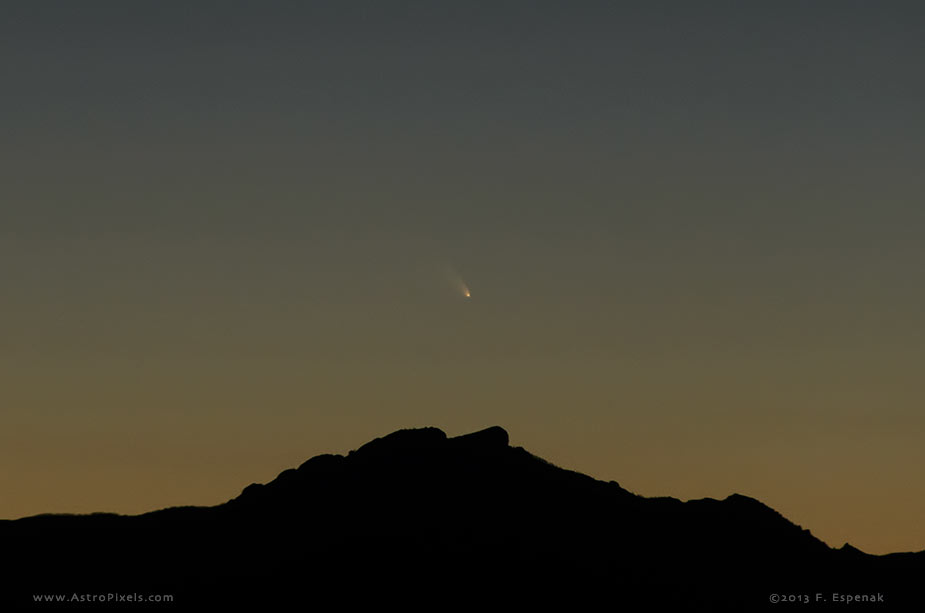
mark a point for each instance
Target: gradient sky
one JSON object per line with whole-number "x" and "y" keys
{"x": 231, "y": 235}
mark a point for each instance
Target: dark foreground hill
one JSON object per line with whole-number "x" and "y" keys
{"x": 422, "y": 521}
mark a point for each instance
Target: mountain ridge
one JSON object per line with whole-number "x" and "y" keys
{"x": 467, "y": 515}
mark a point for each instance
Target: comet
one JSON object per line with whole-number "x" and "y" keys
{"x": 457, "y": 282}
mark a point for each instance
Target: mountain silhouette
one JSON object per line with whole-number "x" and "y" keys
{"x": 422, "y": 521}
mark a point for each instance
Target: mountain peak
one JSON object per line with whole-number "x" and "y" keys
{"x": 417, "y": 441}
{"x": 402, "y": 442}
{"x": 493, "y": 437}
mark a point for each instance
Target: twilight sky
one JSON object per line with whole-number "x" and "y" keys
{"x": 231, "y": 236}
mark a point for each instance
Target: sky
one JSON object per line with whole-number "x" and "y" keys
{"x": 235, "y": 235}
